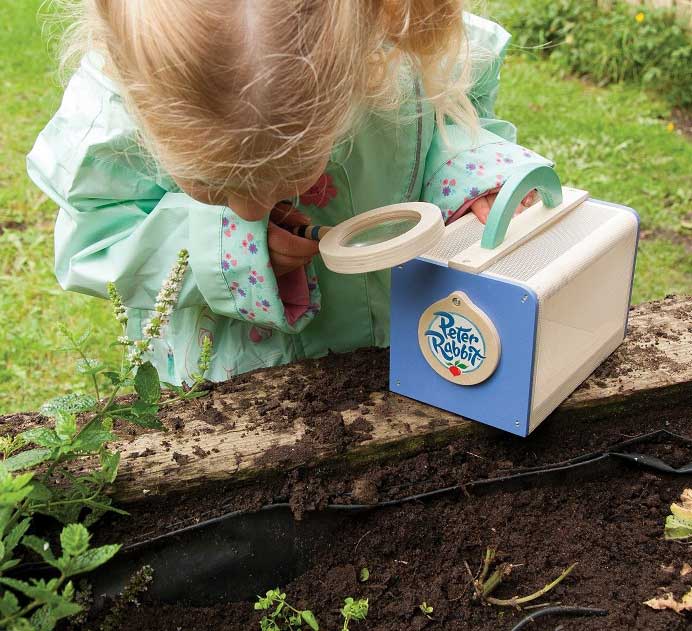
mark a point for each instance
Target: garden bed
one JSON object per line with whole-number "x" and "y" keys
{"x": 303, "y": 475}
{"x": 609, "y": 522}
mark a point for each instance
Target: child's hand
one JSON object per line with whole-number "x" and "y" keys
{"x": 481, "y": 207}
{"x": 287, "y": 251}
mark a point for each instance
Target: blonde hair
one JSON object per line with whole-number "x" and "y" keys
{"x": 237, "y": 95}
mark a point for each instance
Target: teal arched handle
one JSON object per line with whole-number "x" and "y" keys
{"x": 525, "y": 179}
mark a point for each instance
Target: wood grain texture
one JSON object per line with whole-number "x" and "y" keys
{"x": 231, "y": 435}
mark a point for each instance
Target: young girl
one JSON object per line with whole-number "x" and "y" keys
{"x": 188, "y": 122}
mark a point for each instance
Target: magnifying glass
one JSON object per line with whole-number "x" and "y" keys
{"x": 378, "y": 239}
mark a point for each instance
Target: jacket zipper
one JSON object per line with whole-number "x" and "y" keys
{"x": 419, "y": 141}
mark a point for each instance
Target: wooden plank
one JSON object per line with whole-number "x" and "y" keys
{"x": 231, "y": 434}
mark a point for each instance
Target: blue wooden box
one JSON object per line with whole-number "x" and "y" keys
{"x": 557, "y": 304}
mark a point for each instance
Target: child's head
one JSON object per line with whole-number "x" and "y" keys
{"x": 247, "y": 97}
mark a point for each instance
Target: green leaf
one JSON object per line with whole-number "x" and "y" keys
{"x": 9, "y": 604}
{"x": 43, "y": 437}
{"x": 27, "y": 459}
{"x": 40, "y": 547}
{"x": 65, "y": 425}
{"x": 92, "y": 437}
{"x": 74, "y": 539}
{"x": 64, "y": 513}
{"x": 113, "y": 377}
{"x": 13, "y": 489}
{"x": 14, "y": 536}
{"x": 39, "y": 590}
{"x": 109, "y": 465}
{"x": 40, "y": 493}
{"x": 71, "y": 403}
{"x": 90, "y": 560}
{"x": 174, "y": 388}
{"x": 8, "y": 565}
{"x": 310, "y": 620}
{"x": 22, "y": 624}
{"x": 89, "y": 366}
{"x": 149, "y": 421}
{"x": 364, "y": 575}
{"x": 147, "y": 384}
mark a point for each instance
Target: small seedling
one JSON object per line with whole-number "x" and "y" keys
{"x": 679, "y": 522}
{"x": 284, "y": 617}
{"x": 426, "y": 609}
{"x": 486, "y": 582}
{"x": 364, "y": 575}
{"x": 353, "y": 610}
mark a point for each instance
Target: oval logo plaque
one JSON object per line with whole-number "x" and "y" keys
{"x": 458, "y": 340}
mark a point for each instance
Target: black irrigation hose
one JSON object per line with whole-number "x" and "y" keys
{"x": 562, "y": 611}
{"x": 587, "y": 460}
{"x": 573, "y": 464}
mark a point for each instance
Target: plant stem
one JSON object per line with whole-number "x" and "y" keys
{"x": 515, "y": 601}
{"x": 495, "y": 579}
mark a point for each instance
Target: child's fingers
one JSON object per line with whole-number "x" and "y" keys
{"x": 283, "y": 242}
{"x": 282, "y": 264}
{"x": 481, "y": 208}
{"x": 530, "y": 199}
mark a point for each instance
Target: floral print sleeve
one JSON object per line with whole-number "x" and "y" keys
{"x": 286, "y": 303}
{"x": 463, "y": 169}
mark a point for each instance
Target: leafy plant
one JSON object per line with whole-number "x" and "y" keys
{"x": 353, "y": 610}
{"x": 283, "y": 616}
{"x": 426, "y": 609}
{"x": 36, "y": 475}
{"x": 610, "y": 42}
{"x": 364, "y": 575}
{"x": 52, "y": 600}
{"x": 679, "y": 522}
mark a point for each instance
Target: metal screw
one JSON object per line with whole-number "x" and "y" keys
{"x": 516, "y": 423}
{"x": 524, "y": 298}
{"x": 456, "y": 302}
{"x": 401, "y": 267}
{"x": 398, "y": 383}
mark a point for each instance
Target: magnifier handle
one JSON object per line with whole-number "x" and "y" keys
{"x": 315, "y": 233}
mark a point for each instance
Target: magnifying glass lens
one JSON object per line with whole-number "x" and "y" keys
{"x": 381, "y": 232}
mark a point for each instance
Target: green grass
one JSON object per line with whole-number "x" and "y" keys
{"x": 612, "y": 142}
{"x": 31, "y": 301}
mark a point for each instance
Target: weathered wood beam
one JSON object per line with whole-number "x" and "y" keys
{"x": 242, "y": 431}
{"x": 305, "y": 414}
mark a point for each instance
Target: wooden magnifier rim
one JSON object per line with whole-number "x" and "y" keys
{"x": 338, "y": 257}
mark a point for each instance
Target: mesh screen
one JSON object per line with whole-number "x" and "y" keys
{"x": 536, "y": 254}
{"x": 456, "y": 241}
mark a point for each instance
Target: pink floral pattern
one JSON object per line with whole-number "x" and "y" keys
{"x": 246, "y": 268}
{"x": 320, "y": 193}
{"x": 474, "y": 173}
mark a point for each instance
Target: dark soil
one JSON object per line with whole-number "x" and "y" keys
{"x": 418, "y": 552}
{"x": 611, "y": 526}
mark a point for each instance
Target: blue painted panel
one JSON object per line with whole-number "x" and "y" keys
{"x": 504, "y": 400}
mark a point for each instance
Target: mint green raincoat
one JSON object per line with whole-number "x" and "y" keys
{"x": 121, "y": 220}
